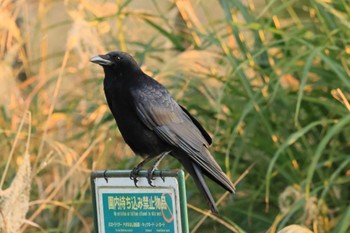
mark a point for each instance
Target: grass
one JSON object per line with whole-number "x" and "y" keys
{"x": 269, "y": 80}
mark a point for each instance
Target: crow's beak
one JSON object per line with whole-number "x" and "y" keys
{"x": 102, "y": 60}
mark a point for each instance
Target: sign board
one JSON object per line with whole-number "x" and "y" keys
{"x": 120, "y": 206}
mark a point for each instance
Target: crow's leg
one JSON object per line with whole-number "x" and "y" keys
{"x": 135, "y": 170}
{"x": 154, "y": 167}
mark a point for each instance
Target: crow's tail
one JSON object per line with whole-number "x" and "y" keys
{"x": 197, "y": 175}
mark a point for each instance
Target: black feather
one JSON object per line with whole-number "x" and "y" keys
{"x": 151, "y": 122}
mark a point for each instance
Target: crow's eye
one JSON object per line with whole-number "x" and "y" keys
{"x": 117, "y": 58}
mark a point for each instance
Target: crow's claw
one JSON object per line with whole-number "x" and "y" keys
{"x": 161, "y": 176}
{"x": 105, "y": 175}
{"x": 135, "y": 182}
{"x": 133, "y": 175}
{"x": 150, "y": 176}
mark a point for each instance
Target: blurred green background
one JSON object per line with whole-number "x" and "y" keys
{"x": 268, "y": 79}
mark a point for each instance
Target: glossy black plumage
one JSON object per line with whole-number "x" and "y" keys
{"x": 152, "y": 123}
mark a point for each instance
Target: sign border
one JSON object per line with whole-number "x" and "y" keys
{"x": 179, "y": 174}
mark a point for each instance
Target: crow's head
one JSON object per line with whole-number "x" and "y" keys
{"x": 116, "y": 61}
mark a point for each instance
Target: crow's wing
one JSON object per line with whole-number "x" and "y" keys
{"x": 198, "y": 125}
{"x": 159, "y": 112}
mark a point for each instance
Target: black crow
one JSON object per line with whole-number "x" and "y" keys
{"x": 153, "y": 124}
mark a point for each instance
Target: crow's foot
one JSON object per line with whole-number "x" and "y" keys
{"x": 135, "y": 171}
{"x": 134, "y": 174}
{"x": 150, "y": 175}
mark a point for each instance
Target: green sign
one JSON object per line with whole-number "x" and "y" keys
{"x": 121, "y": 207}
